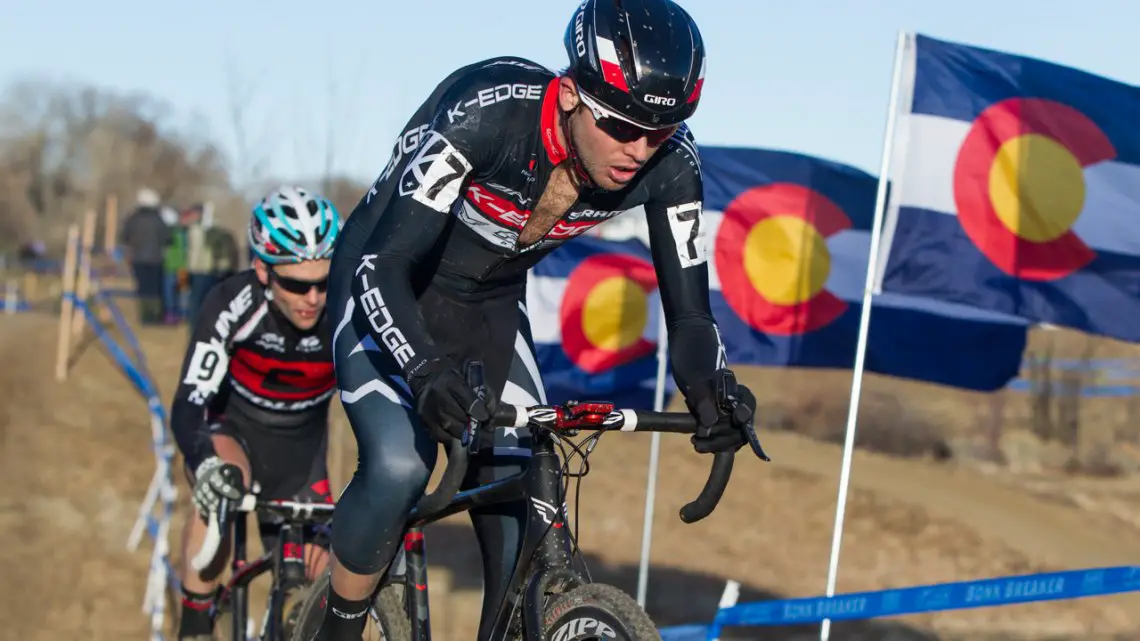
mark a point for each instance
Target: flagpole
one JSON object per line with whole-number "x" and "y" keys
{"x": 654, "y": 452}
{"x": 864, "y": 326}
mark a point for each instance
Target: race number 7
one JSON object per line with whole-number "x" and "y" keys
{"x": 457, "y": 171}
{"x": 688, "y": 232}
{"x": 438, "y": 185}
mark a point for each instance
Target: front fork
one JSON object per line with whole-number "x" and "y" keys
{"x": 410, "y": 567}
{"x": 239, "y": 596}
{"x": 288, "y": 571}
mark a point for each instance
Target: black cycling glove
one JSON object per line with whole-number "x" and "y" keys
{"x": 445, "y": 401}
{"x": 724, "y": 409}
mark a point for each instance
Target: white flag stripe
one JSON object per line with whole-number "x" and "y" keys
{"x": 1112, "y": 189}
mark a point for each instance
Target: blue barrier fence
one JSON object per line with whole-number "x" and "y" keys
{"x": 937, "y": 597}
{"x": 156, "y": 511}
{"x": 157, "y": 508}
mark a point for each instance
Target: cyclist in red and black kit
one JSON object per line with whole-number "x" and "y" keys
{"x": 502, "y": 163}
{"x": 253, "y": 400}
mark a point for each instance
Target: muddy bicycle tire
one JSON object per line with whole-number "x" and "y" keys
{"x": 581, "y": 613}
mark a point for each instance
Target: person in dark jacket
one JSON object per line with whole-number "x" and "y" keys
{"x": 144, "y": 238}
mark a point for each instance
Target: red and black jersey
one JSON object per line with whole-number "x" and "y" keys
{"x": 248, "y": 362}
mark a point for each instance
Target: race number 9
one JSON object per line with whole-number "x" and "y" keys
{"x": 689, "y": 233}
{"x": 207, "y": 368}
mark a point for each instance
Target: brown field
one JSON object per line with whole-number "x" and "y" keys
{"x": 75, "y": 461}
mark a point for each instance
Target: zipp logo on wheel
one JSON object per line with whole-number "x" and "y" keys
{"x": 584, "y": 628}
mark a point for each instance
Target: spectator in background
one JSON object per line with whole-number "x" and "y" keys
{"x": 144, "y": 237}
{"x": 224, "y": 247}
{"x": 199, "y": 261}
{"x": 211, "y": 256}
{"x": 32, "y": 254}
{"x": 174, "y": 277}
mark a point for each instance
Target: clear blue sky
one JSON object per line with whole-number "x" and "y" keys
{"x": 806, "y": 75}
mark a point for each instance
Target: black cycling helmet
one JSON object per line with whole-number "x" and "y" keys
{"x": 643, "y": 60}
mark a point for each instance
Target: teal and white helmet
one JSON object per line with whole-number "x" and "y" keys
{"x": 292, "y": 224}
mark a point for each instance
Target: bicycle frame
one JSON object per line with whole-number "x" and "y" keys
{"x": 287, "y": 551}
{"x": 545, "y": 556}
{"x": 545, "y": 537}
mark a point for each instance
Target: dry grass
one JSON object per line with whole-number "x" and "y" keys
{"x": 76, "y": 461}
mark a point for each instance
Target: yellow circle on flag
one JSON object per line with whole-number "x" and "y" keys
{"x": 615, "y": 313}
{"x": 1037, "y": 187}
{"x": 786, "y": 259}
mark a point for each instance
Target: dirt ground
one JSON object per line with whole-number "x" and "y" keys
{"x": 75, "y": 461}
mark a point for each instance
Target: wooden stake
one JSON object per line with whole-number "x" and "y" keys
{"x": 63, "y": 345}
{"x": 83, "y": 286}
{"x": 110, "y": 225}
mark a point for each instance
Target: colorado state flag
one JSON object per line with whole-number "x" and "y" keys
{"x": 1016, "y": 188}
{"x": 594, "y": 312}
{"x": 791, "y": 238}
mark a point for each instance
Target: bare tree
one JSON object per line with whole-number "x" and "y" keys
{"x": 251, "y": 148}
{"x": 64, "y": 147}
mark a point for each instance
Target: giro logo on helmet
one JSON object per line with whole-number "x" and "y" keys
{"x": 659, "y": 100}
{"x": 579, "y": 36}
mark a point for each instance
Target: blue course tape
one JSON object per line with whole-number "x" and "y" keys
{"x": 117, "y": 352}
{"x": 685, "y": 633}
{"x": 124, "y": 329}
{"x": 1051, "y": 586}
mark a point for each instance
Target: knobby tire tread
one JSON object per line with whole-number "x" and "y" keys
{"x": 622, "y": 607}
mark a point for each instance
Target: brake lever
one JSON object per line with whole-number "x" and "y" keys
{"x": 474, "y": 376}
{"x": 754, "y": 441}
{"x": 748, "y": 422}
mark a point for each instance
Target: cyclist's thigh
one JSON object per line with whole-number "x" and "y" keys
{"x": 317, "y": 490}
{"x": 316, "y": 487}
{"x": 395, "y": 453}
{"x": 229, "y": 447}
{"x": 282, "y": 464}
{"x": 523, "y": 387}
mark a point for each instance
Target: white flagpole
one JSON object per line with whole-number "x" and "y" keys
{"x": 654, "y": 452}
{"x": 864, "y": 326}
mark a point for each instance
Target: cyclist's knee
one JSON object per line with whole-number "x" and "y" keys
{"x": 193, "y": 534}
{"x": 371, "y": 512}
{"x": 391, "y": 478}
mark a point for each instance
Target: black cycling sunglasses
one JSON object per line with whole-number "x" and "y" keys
{"x": 300, "y": 287}
{"x": 624, "y": 131}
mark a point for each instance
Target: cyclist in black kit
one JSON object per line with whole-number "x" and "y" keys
{"x": 502, "y": 163}
{"x": 253, "y": 399}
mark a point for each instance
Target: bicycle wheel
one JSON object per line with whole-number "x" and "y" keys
{"x": 599, "y": 612}
{"x": 388, "y": 617}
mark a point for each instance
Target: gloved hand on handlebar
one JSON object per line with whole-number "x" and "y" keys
{"x": 445, "y": 401}
{"x": 214, "y": 480}
{"x": 724, "y": 410}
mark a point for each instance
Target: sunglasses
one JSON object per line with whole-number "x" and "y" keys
{"x": 624, "y": 131}
{"x": 300, "y": 287}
